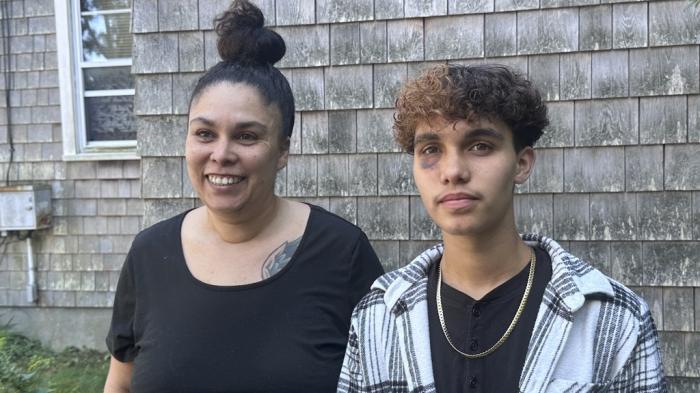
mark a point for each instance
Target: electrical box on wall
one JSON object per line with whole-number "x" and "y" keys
{"x": 25, "y": 208}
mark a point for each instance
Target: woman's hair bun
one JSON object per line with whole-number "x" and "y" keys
{"x": 243, "y": 38}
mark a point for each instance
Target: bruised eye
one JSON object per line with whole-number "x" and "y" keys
{"x": 429, "y": 149}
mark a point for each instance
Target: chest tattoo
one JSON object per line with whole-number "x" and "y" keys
{"x": 279, "y": 257}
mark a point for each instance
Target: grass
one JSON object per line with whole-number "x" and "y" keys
{"x": 27, "y": 366}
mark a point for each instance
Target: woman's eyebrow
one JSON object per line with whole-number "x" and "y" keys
{"x": 207, "y": 122}
{"x": 242, "y": 125}
{"x": 250, "y": 124}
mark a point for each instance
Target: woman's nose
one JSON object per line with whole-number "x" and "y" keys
{"x": 222, "y": 152}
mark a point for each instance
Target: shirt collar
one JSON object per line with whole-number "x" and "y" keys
{"x": 572, "y": 278}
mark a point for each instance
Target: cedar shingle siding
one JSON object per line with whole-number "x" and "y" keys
{"x": 617, "y": 178}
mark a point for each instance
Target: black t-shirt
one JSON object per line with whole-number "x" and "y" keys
{"x": 286, "y": 333}
{"x": 475, "y": 326}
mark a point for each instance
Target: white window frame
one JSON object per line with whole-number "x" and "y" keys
{"x": 70, "y": 66}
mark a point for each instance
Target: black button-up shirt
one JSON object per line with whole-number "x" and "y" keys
{"x": 476, "y": 325}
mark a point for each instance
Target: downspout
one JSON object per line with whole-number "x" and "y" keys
{"x": 31, "y": 276}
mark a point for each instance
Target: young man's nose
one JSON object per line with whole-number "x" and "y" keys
{"x": 454, "y": 169}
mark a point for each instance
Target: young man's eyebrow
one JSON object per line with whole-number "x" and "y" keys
{"x": 473, "y": 134}
{"x": 485, "y": 133}
{"x": 426, "y": 137}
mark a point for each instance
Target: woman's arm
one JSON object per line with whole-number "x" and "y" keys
{"x": 119, "y": 376}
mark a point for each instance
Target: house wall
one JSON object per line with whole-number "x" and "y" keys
{"x": 97, "y": 208}
{"x": 617, "y": 178}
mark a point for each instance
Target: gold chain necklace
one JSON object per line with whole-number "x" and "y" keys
{"x": 518, "y": 313}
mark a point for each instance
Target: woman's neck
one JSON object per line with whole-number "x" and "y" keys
{"x": 246, "y": 227}
{"x": 477, "y": 265}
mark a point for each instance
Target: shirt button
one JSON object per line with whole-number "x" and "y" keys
{"x": 474, "y": 345}
{"x": 473, "y": 383}
{"x": 476, "y": 312}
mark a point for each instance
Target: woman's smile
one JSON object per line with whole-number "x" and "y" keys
{"x": 224, "y": 180}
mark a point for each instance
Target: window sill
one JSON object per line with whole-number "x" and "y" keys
{"x": 103, "y": 156}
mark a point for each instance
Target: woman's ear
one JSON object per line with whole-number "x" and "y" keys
{"x": 524, "y": 165}
{"x": 284, "y": 153}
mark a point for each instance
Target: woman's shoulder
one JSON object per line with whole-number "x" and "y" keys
{"x": 323, "y": 220}
{"x": 162, "y": 231}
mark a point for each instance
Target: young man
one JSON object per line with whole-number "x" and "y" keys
{"x": 490, "y": 310}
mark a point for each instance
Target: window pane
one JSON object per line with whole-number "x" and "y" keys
{"x": 102, "y": 5}
{"x": 108, "y": 78}
{"x": 110, "y": 118}
{"x": 106, "y": 37}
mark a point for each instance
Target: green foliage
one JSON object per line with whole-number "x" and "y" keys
{"x": 15, "y": 376}
{"x": 27, "y": 367}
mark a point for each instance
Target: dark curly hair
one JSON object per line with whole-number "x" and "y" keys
{"x": 459, "y": 92}
{"x": 249, "y": 51}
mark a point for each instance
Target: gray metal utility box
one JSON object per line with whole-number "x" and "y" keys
{"x": 25, "y": 208}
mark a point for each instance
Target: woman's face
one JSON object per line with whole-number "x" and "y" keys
{"x": 234, "y": 148}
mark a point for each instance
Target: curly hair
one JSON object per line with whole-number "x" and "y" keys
{"x": 457, "y": 92}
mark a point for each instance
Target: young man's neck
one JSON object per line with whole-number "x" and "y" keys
{"x": 475, "y": 265}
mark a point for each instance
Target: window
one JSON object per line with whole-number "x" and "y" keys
{"x": 97, "y": 89}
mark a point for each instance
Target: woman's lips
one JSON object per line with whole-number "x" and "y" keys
{"x": 224, "y": 180}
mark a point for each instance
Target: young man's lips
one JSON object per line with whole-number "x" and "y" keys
{"x": 457, "y": 201}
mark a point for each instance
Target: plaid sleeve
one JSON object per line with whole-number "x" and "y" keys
{"x": 643, "y": 372}
{"x": 351, "y": 379}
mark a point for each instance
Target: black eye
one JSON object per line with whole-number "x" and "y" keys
{"x": 429, "y": 149}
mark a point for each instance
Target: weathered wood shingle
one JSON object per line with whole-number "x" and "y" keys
{"x": 644, "y": 168}
{"x": 454, "y": 37}
{"x": 547, "y": 31}
{"x": 664, "y": 71}
{"x": 405, "y": 40}
{"x": 606, "y": 176}
{"x": 314, "y": 132}
{"x": 388, "y": 79}
{"x": 607, "y": 122}
{"x": 306, "y": 45}
{"x": 663, "y": 120}
{"x": 673, "y": 23}
{"x": 348, "y": 87}
{"x": 343, "y": 10}
{"x": 630, "y": 27}
{"x": 664, "y": 215}
{"x": 500, "y": 34}
{"x": 300, "y": 12}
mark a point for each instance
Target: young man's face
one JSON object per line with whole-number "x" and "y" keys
{"x": 465, "y": 172}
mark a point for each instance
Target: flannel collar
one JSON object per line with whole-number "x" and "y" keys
{"x": 572, "y": 278}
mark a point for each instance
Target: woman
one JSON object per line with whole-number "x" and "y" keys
{"x": 249, "y": 292}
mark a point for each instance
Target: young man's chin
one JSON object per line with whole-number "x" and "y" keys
{"x": 461, "y": 229}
